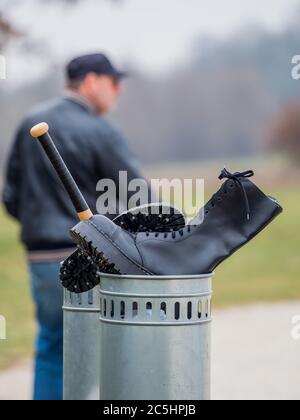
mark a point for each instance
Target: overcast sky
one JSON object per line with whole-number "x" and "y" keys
{"x": 155, "y": 34}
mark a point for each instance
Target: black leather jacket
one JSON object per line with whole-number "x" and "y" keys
{"x": 91, "y": 148}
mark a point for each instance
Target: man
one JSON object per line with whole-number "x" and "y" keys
{"x": 93, "y": 150}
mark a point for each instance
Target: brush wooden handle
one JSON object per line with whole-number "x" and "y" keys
{"x": 41, "y": 132}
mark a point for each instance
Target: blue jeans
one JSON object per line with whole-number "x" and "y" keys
{"x": 48, "y": 296}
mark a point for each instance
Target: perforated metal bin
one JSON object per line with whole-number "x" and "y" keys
{"x": 155, "y": 337}
{"x": 81, "y": 345}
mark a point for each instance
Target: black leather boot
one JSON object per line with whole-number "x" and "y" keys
{"x": 80, "y": 272}
{"x": 233, "y": 216}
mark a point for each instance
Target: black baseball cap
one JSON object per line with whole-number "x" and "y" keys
{"x": 92, "y": 63}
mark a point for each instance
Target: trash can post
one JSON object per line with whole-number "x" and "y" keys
{"x": 81, "y": 345}
{"x": 155, "y": 337}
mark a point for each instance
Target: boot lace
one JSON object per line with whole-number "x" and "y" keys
{"x": 174, "y": 234}
{"x": 237, "y": 177}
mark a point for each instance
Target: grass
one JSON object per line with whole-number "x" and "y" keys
{"x": 267, "y": 269}
{"x": 15, "y": 302}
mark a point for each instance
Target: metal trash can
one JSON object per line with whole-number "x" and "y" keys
{"x": 81, "y": 345}
{"x": 155, "y": 337}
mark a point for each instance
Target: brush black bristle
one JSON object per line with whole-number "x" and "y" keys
{"x": 151, "y": 223}
{"x": 80, "y": 272}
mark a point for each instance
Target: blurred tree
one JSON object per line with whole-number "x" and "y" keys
{"x": 285, "y": 133}
{"x": 6, "y": 31}
{"x": 221, "y": 104}
{"x": 7, "y": 28}
{"x": 268, "y": 52}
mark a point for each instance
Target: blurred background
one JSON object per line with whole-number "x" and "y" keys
{"x": 212, "y": 83}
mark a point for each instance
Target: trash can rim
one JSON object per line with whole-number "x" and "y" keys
{"x": 135, "y": 277}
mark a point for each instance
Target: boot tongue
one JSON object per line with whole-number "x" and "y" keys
{"x": 238, "y": 177}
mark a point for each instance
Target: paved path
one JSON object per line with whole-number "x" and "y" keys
{"x": 16, "y": 383}
{"x": 254, "y": 356}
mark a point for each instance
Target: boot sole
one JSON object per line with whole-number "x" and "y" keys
{"x": 80, "y": 272}
{"x": 105, "y": 250}
{"x": 137, "y": 221}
